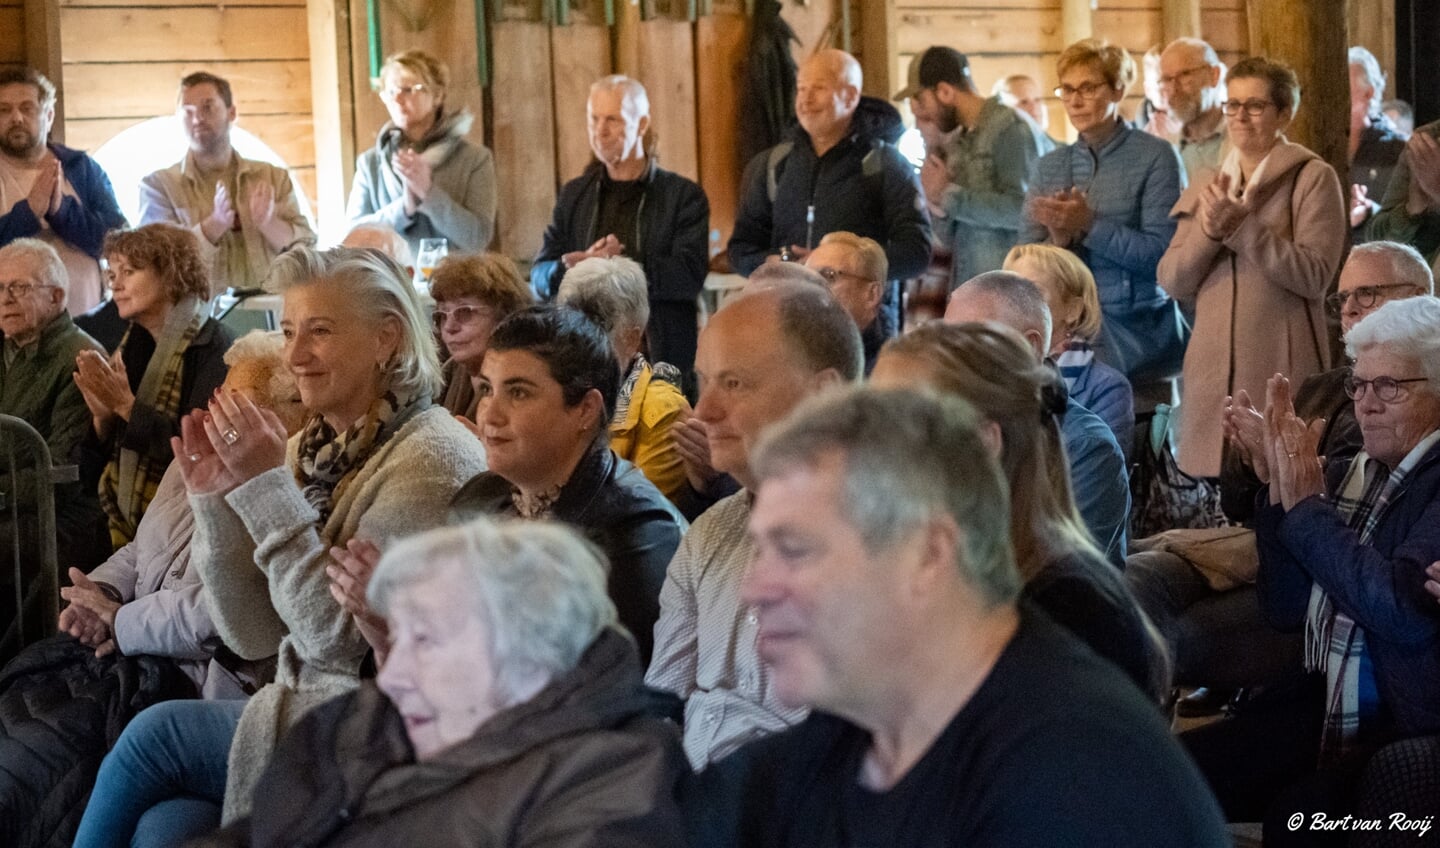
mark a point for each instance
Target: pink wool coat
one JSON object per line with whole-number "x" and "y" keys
{"x": 1259, "y": 294}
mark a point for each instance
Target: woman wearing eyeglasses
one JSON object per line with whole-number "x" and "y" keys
{"x": 1343, "y": 549}
{"x": 1107, "y": 198}
{"x": 1256, "y": 247}
{"x": 473, "y": 293}
{"x": 423, "y": 177}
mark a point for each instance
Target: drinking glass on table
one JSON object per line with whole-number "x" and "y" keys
{"x": 432, "y": 250}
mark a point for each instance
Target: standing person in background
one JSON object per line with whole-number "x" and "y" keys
{"x": 244, "y": 212}
{"x": 1193, "y": 81}
{"x": 423, "y": 177}
{"x": 1024, "y": 95}
{"x": 1375, "y": 146}
{"x": 625, "y": 204}
{"x": 1154, "y": 115}
{"x": 1107, "y": 198}
{"x": 48, "y": 191}
{"x": 976, "y": 188}
{"x": 839, "y": 170}
{"x": 1256, "y": 249}
{"x": 1401, "y": 115}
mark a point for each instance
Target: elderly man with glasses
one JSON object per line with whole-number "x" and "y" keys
{"x": 854, "y": 269}
{"x": 1192, "y": 77}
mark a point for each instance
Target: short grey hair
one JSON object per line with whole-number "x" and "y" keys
{"x": 908, "y": 456}
{"x": 1022, "y": 303}
{"x": 378, "y": 289}
{"x": 816, "y": 329}
{"x": 1200, "y": 45}
{"x": 381, "y": 237}
{"x": 42, "y": 257}
{"x": 611, "y": 292}
{"x": 1373, "y": 75}
{"x": 266, "y": 349}
{"x": 538, "y": 587}
{"x": 1408, "y": 328}
{"x": 631, "y": 89}
{"x": 1405, "y": 264}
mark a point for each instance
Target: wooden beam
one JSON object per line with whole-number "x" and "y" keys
{"x": 879, "y": 47}
{"x": 1075, "y": 21}
{"x": 1180, "y": 19}
{"x": 1372, "y": 26}
{"x": 626, "y": 38}
{"x": 332, "y": 99}
{"x": 42, "y": 52}
{"x": 1310, "y": 35}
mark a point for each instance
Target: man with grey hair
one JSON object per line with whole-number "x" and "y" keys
{"x": 758, "y": 357}
{"x": 886, "y": 596}
{"x": 1097, "y": 465}
{"x": 625, "y": 204}
{"x": 40, "y": 342}
{"x": 1193, "y": 80}
{"x": 47, "y": 190}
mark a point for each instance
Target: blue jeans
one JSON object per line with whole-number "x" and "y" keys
{"x": 164, "y": 781}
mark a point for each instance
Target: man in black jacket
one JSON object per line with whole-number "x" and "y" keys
{"x": 840, "y": 170}
{"x": 626, "y": 205}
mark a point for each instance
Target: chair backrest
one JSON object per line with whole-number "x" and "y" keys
{"x": 28, "y": 478}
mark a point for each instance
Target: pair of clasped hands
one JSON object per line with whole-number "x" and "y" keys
{"x": 1277, "y": 444}
{"x": 1066, "y": 215}
{"x": 223, "y": 216}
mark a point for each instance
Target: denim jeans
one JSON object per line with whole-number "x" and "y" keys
{"x": 164, "y": 781}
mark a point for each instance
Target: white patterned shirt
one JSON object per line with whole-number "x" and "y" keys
{"x": 705, "y": 639}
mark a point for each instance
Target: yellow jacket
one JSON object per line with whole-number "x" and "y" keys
{"x": 642, "y": 436}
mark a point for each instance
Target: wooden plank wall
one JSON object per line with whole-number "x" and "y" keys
{"x": 1003, "y": 37}
{"x": 123, "y": 60}
{"x": 12, "y": 32}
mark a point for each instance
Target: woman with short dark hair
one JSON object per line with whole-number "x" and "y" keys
{"x": 548, "y": 389}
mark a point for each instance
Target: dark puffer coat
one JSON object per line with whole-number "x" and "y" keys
{"x": 61, "y": 710}
{"x": 580, "y": 764}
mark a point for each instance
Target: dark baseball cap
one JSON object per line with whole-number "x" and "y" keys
{"x": 934, "y": 66}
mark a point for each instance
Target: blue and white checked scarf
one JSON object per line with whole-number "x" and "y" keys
{"x": 1334, "y": 643}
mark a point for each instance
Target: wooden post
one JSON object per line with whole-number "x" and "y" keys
{"x": 1075, "y": 21}
{"x": 1310, "y": 36}
{"x": 332, "y": 99}
{"x": 42, "y": 52}
{"x": 627, "y": 38}
{"x": 1372, "y": 26}
{"x": 879, "y": 48}
{"x": 1179, "y": 19}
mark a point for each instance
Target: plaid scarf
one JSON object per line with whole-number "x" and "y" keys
{"x": 1334, "y": 643}
{"x": 327, "y": 460}
{"x": 131, "y": 478}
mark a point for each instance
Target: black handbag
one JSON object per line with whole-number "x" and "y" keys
{"x": 1162, "y": 497}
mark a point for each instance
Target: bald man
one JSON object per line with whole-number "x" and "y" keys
{"x": 838, "y": 170}
{"x": 1194, "y": 84}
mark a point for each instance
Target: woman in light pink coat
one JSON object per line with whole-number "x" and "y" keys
{"x": 1257, "y": 246}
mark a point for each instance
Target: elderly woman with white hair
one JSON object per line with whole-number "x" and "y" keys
{"x": 613, "y": 293}
{"x": 376, "y": 460}
{"x": 509, "y": 711}
{"x": 1343, "y": 552}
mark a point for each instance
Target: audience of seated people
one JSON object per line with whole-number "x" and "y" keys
{"x": 612, "y": 293}
{"x": 860, "y": 630}
{"x": 1021, "y": 401}
{"x": 376, "y": 460}
{"x": 1343, "y": 548}
{"x": 1096, "y": 462}
{"x": 145, "y": 610}
{"x": 548, "y": 388}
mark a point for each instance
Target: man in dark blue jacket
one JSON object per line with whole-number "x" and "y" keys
{"x": 840, "y": 170}
{"x": 626, "y": 205}
{"x": 49, "y": 191}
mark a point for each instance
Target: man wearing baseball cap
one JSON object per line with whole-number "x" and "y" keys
{"x": 975, "y": 182}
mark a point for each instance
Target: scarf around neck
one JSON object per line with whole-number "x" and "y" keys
{"x": 327, "y": 460}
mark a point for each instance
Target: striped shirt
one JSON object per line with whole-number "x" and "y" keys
{"x": 705, "y": 639}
